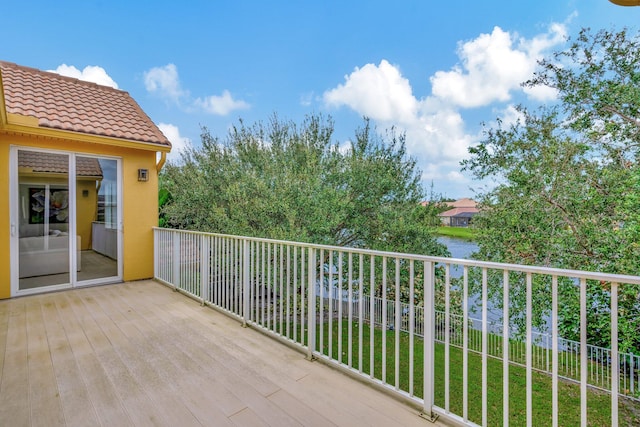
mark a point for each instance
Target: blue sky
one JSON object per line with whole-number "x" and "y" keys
{"x": 435, "y": 70}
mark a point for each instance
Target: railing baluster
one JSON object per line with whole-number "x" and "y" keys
{"x": 225, "y": 274}
{"x": 275, "y": 284}
{"x": 529, "y": 385}
{"x": 303, "y": 305}
{"x": 311, "y": 306}
{"x": 384, "y": 319}
{"x": 397, "y": 326}
{"x": 505, "y": 348}
{"x": 371, "y": 315}
{"x": 554, "y": 344}
{"x": 484, "y": 346}
{"x": 350, "y": 314}
{"x": 252, "y": 280}
{"x": 204, "y": 268}
{"x": 263, "y": 285}
{"x": 428, "y": 343}
{"x": 447, "y": 334}
{"x": 269, "y": 285}
{"x": 281, "y": 296}
{"x": 176, "y": 260}
{"x": 583, "y": 352}
{"x": 412, "y": 324}
{"x": 288, "y": 293}
{"x": 465, "y": 344}
{"x": 339, "y": 300}
{"x": 321, "y": 283}
{"x": 245, "y": 282}
{"x": 331, "y": 306}
{"x": 360, "y": 310}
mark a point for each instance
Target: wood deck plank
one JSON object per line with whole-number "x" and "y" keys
{"x": 141, "y": 354}
{"x": 168, "y": 340}
{"x": 255, "y": 363}
{"x": 135, "y": 404}
{"x": 74, "y": 397}
{"x": 104, "y": 397}
{"x": 44, "y": 397}
{"x": 4, "y": 328}
{"x": 150, "y": 366}
{"x": 14, "y": 388}
{"x": 258, "y": 354}
{"x": 210, "y": 356}
{"x": 144, "y": 396}
{"x": 247, "y": 418}
{"x": 303, "y": 413}
{"x": 203, "y": 395}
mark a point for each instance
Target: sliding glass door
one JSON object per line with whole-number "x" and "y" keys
{"x": 97, "y": 219}
{"x": 43, "y": 225}
{"x": 66, "y": 220}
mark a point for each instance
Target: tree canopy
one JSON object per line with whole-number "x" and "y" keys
{"x": 567, "y": 175}
{"x": 287, "y": 181}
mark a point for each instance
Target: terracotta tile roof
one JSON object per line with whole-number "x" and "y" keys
{"x": 458, "y": 211}
{"x": 463, "y": 203}
{"x": 73, "y": 105}
{"x": 57, "y": 163}
{"x": 460, "y": 203}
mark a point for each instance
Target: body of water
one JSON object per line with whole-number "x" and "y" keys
{"x": 459, "y": 248}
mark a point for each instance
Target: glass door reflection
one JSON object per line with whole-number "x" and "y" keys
{"x": 97, "y": 219}
{"x": 43, "y": 226}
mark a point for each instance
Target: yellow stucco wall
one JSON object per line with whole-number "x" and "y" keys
{"x": 140, "y": 203}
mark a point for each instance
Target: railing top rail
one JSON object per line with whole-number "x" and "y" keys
{"x": 548, "y": 271}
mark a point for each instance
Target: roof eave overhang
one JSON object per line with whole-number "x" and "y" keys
{"x": 24, "y": 126}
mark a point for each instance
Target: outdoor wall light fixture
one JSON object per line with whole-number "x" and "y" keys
{"x": 143, "y": 175}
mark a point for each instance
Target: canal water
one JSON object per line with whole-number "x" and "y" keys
{"x": 463, "y": 249}
{"x": 459, "y": 248}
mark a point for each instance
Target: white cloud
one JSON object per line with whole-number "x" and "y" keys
{"x": 164, "y": 81}
{"x": 379, "y": 92}
{"x": 306, "y": 99}
{"x": 383, "y": 94}
{"x": 509, "y": 116}
{"x": 178, "y": 142}
{"x": 493, "y": 66}
{"x": 90, "y": 73}
{"x": 221, "y": 105}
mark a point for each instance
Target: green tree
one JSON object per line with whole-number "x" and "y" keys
{"x": 567, "y": 179}
{"x": 286, "y": 181}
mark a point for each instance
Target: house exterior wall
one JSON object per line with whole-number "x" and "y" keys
{"x": 139, "y": 199}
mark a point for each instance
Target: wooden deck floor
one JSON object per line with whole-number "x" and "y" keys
{"x": 140, "y": 354}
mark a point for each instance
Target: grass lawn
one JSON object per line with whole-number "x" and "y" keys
{"x": 598, "y": 403}
{"x": 459, "y": 232}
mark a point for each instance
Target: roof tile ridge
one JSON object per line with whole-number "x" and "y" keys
{"x": 55, "y": 75}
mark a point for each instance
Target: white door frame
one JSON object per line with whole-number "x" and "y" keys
{"x": 14, "y": 218}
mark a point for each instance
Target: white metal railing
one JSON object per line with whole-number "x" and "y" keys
{"x": 600, "y": 361}
{"x": 309, "y": 296}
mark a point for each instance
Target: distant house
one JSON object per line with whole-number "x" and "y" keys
{"x": 461, "y": 213}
